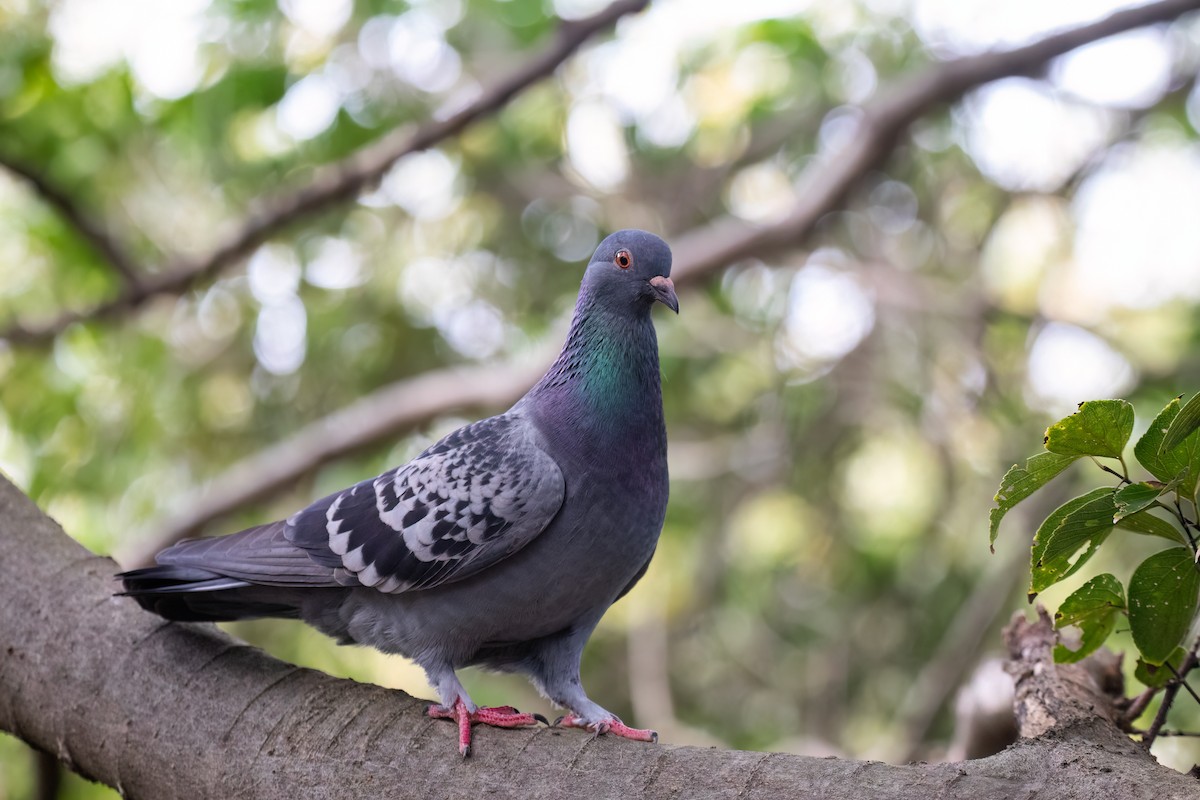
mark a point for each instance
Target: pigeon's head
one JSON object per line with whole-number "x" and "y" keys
{"x": 631, "y": 270}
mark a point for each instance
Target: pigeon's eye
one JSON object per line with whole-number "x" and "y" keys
{"x": 623, "y": 259}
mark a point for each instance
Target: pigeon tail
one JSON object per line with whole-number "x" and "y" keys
{"x": 191, "y": 594}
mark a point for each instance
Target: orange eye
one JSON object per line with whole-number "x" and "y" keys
{"x": 623, "y": 259}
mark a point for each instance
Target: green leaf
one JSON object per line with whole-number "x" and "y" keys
{"x": 1162, "y": 601}
{"x": 1184, "y": 425}
{"x": 1147, "y": 523}
{"x": 1181, "y": 462}
{"x": 1078, "y": 526}
{"x": 1136, "y": 497}
{"x": 1157, "y": 676}
{"x": 1098, "y": 428}
{"x": 1020, "y": 482}
{"x": 1093, "y": 608}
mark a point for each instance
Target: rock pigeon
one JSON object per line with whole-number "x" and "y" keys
{"x": 502, "y": 545}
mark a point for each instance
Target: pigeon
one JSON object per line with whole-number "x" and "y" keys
{"x": 502, "y": 545}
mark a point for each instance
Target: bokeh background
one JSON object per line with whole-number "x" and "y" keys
{"x": 840, "y": 411}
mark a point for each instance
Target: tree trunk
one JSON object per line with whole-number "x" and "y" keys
{"x": 161, "y": 710}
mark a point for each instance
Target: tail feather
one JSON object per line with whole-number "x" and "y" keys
{"x": 189, "y": 594}
{"x": 173, "y": 579}
{"x": 255, "y": 573}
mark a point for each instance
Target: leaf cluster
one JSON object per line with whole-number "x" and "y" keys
{"x": 1161, "y": 600}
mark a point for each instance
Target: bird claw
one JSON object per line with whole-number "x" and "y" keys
{"x": 498, "y": 717}
{"x": 612, "y": 726}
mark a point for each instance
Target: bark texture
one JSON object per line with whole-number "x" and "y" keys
{"x": 164, "y": 710}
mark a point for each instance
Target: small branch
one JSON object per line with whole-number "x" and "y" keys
{"x": 1160, "y": 719}
{"x": 1188, "y": 525}
{"x": 1110, "y": 470}
{"x": 99, "y": 239}
{"x": 1184, "y": 522}
{"x": 1136, "y": 708}
{"x": 334, "y": 185}
{"x": 1182, "y": 678}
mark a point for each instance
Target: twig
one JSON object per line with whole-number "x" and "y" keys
{"x": 1179, "y": 515}
{"x": 337, "y": 184}
{"x": 99, "y": 239}
{"x": 1137, "y": 706}
{"x": 1168, "y": 700}
{"x": 1187, "y": 523}
{"x": 1110, "y": 470}
{"x": 1183, "y": 681}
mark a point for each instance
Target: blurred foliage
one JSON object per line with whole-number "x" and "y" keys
{"x": 838, "y": 417}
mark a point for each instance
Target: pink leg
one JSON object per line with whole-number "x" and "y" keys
{"x": 613, "y": 726}
{"x": 500, "y": 717}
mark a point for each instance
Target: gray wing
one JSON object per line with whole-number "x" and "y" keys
{"x": 475, "y": 497}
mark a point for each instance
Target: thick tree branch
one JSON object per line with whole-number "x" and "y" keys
{"x": 336, "y": 184}
{"x": 160, "y": 709}
{"x": 100, "y": 240}
{"x": 699, "y": 253}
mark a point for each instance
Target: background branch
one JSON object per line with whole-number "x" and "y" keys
{"x": 336, "y": 184}
{"x": 100, "y": 240}
{"x": 396, "y": 407}
{"x": 824, "y": 185}
{"x": 160, "y": 709}
{"x": 699, "y": 253}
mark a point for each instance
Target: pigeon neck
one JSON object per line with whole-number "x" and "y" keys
{"x": 607, "y": 375}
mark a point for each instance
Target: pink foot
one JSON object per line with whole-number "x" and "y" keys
{"x": 500, "y": 717}
{"x": 613, "y": 726}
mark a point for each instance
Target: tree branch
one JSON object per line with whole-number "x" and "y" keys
{"x": 159, "y": 709}
{"x": 1169, "y": 695}
{"x": 336, "y": 184}
{"x": 100, "y": 240}
{"x": 825, "y": 184}
{"x": 1051, "y": 696}
{"x": 698, "y": 254}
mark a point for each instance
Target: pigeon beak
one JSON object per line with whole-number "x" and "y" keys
{"x": 664, "y": 292}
